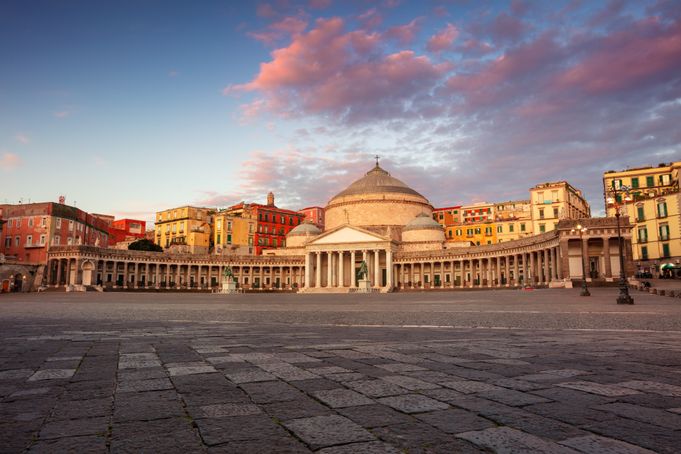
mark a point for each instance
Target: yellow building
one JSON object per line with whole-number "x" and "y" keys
{"x": 653, "y": 208}
{"x": 184, "y": 229}
{"x": 513, "y": 220}
{"x": 551, "y": 202}
{"x": 233, "y": 234}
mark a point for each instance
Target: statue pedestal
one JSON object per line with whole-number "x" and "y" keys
{"x": 228, "y": 286}
{"x": 364, "y": 286}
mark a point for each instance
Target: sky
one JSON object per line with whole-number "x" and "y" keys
{"x": 132, "y": 107}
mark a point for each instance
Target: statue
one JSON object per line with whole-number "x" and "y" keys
{"x": 227, "y": 274}
{"x": 363, "y": 271}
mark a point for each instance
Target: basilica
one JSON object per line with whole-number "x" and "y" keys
{"x": 377, "y": 220}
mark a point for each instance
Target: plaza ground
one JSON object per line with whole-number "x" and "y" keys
{"x": 470, "y": 371}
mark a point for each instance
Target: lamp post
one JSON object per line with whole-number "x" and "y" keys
{"x": 623, "y": 297}
{"x": 581, "y": 230}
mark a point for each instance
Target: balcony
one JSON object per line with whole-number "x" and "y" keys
{"x": 33, "y": 245}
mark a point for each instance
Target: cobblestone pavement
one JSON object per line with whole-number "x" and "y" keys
{"x": 123, "y": 373}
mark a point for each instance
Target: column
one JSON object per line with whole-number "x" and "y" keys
{"x": 353, "y": 273}
{"x": 308, "y": 265}
{"x": 329, "y": 267}
{"x": 377, "y": 268}
{"x": 432, "y": 274}
{"x": 554, "y": 272}
{"x": 341, "y": 276}
{"x": 177, "y": 281}
{"x": 318, "y": 273}
{"x": 389, "y": 268}
{"x": 546, "y": 266}
{"x": 559, "y": 263}
{"x": 585, "y": 258}
{"x": 262, "y": 276}
{"x": 499, "y": 283}
{"x": 59, "y": 271}
{"x": 489, "y": 272}
{"x": 507, "y": 269}
{"x": 606, "y": 253}
{"x": 532, "y": 268}
{"x": 462, "y": 271}
{"x": 167, "y": 275}
{"x": 157, "y": 273}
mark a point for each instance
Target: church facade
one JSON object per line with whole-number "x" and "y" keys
{"x": 377, "y": 220}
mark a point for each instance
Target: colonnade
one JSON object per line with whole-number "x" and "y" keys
{"x": 339, "y": 268}
{"x": 539, "y": 267}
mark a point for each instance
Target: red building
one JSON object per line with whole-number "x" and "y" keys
{"x": 273, "y": 223}
{"x": 28, "y": 230}
{"x": 314, "y": 215}
{"x": 126, "y": 229}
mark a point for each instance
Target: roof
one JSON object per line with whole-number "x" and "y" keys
{"x": 422, "y": 222}
{"x": 306, "y": 228}
{"x": 375, "y": 181}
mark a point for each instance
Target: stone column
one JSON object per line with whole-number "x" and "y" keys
{"x": 167, "y": 275}
{"x": 377, "y": 268}
{"x": 318, "y": 271}
{"x": 329, "y": 268}
{"x": 389, "y": 269}
{"x": 341, "y": 274}
{"x": 462, "y": 271}
{"x": 532, "y": 268}
{"x": 559, "y": 264}
{"x": 59, "y": 272}
{"x": 507, "y": 270}
{"x": 262, "y": 276}
{"x": 308, "y": 270}
{"x": 499, "y": 274}
{"x": 178, "y": 280}
{"x": 157, "y": 279}
{"x": 606, "y": 257}
{"x": 353, "y": 273}
{"x": 432, "y": 274}
{"x": 546, "y": 266}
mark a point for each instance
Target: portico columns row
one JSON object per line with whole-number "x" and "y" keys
{"x": 338, "y": 268}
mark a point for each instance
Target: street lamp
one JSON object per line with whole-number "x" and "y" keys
{"x": 623, "y": 297}
{"x": 581, "y": 231}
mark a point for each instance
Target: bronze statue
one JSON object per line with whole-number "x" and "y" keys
{"x": 363, "y": 271}
{"x": 227, "y": 274}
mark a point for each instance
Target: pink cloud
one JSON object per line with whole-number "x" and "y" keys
{"x": 443, "y": 40}
{"x": 9, "y": 161}
{"x": 644, "y": 53}
{"x": 507, "y": 28}
{"x": 265, "y": 10}
{"x": 330, "y": 71}
{"x": 370, "y": 19}
{"x": 404, "y": 34}
{"x": 282, "y": 29}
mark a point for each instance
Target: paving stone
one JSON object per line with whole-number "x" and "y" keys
{"x": 400, "y": 367}
{"x": 594, "y": 444}
{"x": 215, "y": 431}
{"x": 146, "y": 406}
{"x": 413, "y": 403}
{"x": 374, "y": 415}
{"x": 342, "y": 378}
{"x": 412, "y": 384}
{"x": 138, "y": 360}
{"x": 142, "y": 374}
{"x": 293, "y": 409}
{"x": 598, "y": 388}
{"x": 570, "y": 413}
{"x": 654, "y": 416}
{"x": 249, "y": 376}
{"x": 288, "y": 372}
{"x": 453, "y": 421}
{"x": 30, "y": 392}
{"x": 80, "y": 409}
{"x": 52, "y": 374}
{"x": 278, "y": 445}
{"x": 220, "y": 410}
{"x": 509, "y": 440}
{"x": 268, "y": 392}
{"x": 372, "y": 447}
{"x": 156, "y": 384}
{"x": 419, "y": 437}
{"x": 329, "y": 370}
{"x": 15, "y": 374}
{"x": 161, "y": 435}
{"x": 443, "y": 394}
{"x": 74, "y": 427}
{"x": 543, "y": 377}
{"x": 518, "y": 385}
{"x": 317, "y": 384}
{"x": 675, "y": 410}
{"x": 352, "y": 354}
{"x": 376, "y": 388}
{"x": 296, "y": 358}
{"x": 655, "y": 438}
{"x": 224, "y": 359}
{"x": 340, "y": 398}
{"x": 663, "y": 389}
{"x": 470, "y": 386}
{"x": 86, "y": 445}
{"x": 190, "y": 370}
{"x": 566, "y": 373}
{"x": 572, "y": 396}
{"x": 512, "y": 398}
{"x": 322, "y": 431}
{"x": 533, "y": 424}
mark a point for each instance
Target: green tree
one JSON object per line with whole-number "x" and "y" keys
{"x": 145, "y": 245}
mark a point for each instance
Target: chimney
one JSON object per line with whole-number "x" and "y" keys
{"x": 270, "y": 199}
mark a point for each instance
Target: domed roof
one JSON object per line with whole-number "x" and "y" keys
{"x": 422, "y": 222}
{"x": 375, "y": 181}
{"x": 306, "y": 228}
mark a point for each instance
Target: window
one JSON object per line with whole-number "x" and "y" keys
{"x": 642, "y": 235}
{"x": 219, "y": 225}
{"x": 229, "y": 226}
{"x": 542, "y": 228}
{"x": 640, "y": 214}
{"x": 500, "y": 229}
{"x": 650, "y": 181}
{"x": 17, "y": 241}
{"x": 469, "y": 232}
{"x": 510, "y": 227}
{"x": 488, "y": 231}
{"x": 458, "y": 232}
{"x": 664, "y": 232}
{"x": 218, "y": 239}
{"x": 634, "y": 182}
{"x": 55, "y": 240}
{"x": 662, "y": 209}
{"x": 644, "y": 252}
{"x": 522, "y": 226}
{"x": 70, "y": 226}
{"x": 540, "y": 197}
{"x": 665, "y": 250}
{"x": 229, "y": 239}
{"x": 541, "y": 213}
{"x": 29, "y": 240}
{"x": 9, "y": 224}
{"x": 69, "y": 241}
{"x": 554, "y": 196}
{"x": 664, "y": 179}
{"x": 30, "y": 222}
{"x": 555, "y": 212}
{"x": 477, "y": 230}
{"x": 8, "y": 242}
{"x": 57, "y": 224}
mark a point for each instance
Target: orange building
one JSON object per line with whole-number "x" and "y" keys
{"x": 314, "y": 215}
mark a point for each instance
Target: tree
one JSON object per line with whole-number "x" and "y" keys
{"x": 145, "y": 245}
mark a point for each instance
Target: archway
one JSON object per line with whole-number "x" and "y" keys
{"x": 87, "y": 267}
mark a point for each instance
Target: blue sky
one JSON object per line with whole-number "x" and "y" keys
{"x": 132, "y": 107}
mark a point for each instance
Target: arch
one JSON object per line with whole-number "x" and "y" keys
{"x": 87, "y": 268}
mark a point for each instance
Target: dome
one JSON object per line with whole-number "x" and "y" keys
{"x": 305, "y": 229}
{"x": 376, "y": 181}
{"x": 422, "y": 222}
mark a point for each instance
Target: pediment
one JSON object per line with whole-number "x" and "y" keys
{"x": 347, "y": 234}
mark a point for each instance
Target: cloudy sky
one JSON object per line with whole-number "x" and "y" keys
{"x": 135, "y": 106}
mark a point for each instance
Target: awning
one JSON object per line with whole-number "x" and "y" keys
{"x": 669, "y": 266}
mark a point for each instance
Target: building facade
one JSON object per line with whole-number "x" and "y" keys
{"x": 551, "y": 202}
{"x": 30, "y": 229}
{"x": 314, "y": 215}
{"x": 126, "y": 230}
{"x": 185, "y": 229}
{"x": 377, "y": 223}
{"x": 233, "y": 234}
{"x": 653, "y": 205}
